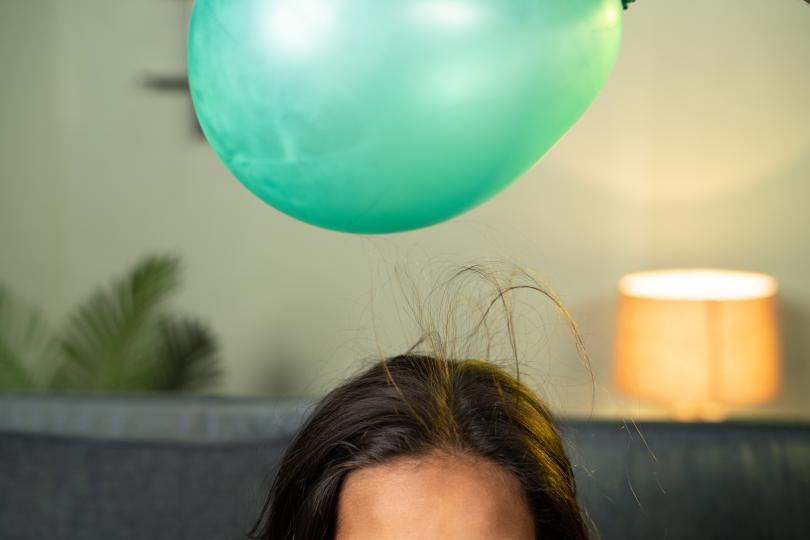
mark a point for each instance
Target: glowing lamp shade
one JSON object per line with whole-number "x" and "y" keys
{"x": 693, "y": 339}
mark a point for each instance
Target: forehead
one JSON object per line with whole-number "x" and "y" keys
{"x": 447, "y": 496}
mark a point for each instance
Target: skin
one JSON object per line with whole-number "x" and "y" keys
{"x": 437, "y": 496}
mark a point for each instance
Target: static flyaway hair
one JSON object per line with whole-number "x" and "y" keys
{"x": 411, "y": 405}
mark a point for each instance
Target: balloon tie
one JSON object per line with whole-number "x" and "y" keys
{"x": 626, "y": 3}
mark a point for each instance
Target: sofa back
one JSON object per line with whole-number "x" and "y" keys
{"x": 82, "y": 468}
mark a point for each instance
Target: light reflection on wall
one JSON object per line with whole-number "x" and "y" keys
{"x": 683, "y": 123}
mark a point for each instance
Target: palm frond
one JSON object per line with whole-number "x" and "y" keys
{"x": 113, "y": 341}
{"x": 189, "y": 357}
{"x": 27, "y": 351}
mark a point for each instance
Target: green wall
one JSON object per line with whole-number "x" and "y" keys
{"x": 696, "y": 154}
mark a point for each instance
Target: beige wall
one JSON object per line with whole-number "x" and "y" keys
{"x": 697, "y": 153}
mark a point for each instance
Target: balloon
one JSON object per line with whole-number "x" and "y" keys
{"x": 376, "y": 116}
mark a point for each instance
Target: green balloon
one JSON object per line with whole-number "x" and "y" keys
{"x": 377, "y": 116}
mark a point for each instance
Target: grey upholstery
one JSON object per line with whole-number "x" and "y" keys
{"x": 694, "y": 481}
{"x": 95, "y": 468}
{"x": 78, "y": 468}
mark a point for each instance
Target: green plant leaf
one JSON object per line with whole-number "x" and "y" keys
{"x": 113, "y": 341}
{"x": 189, "y": 357}
{"x": 28, "y": 352}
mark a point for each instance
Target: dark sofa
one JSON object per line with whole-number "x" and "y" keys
{"x": 81, "y": 468}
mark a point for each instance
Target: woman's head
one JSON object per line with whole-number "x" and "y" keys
{"x": 442, "y": 447}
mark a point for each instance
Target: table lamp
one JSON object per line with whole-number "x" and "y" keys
{"x": 698, "y": 341}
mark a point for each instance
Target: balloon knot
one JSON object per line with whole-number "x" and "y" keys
{"x": 626, "y": 3}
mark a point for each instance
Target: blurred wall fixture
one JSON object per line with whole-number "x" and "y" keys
{"x": 698, "y": 341}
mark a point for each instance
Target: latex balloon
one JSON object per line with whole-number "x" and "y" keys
{"x": 386, "y": 115}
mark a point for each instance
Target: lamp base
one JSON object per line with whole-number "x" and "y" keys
{"x": 703, "y": 411}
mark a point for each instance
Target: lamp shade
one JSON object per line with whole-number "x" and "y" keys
{"x": 693, "y": 337}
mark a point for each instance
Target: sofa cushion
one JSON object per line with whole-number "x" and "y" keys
{"x": 694, "y": 481}
{"x": 75, "y": 488}
{"x": 78, "y": 468}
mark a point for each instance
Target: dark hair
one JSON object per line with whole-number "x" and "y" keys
{"x": 408, "y": 406}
